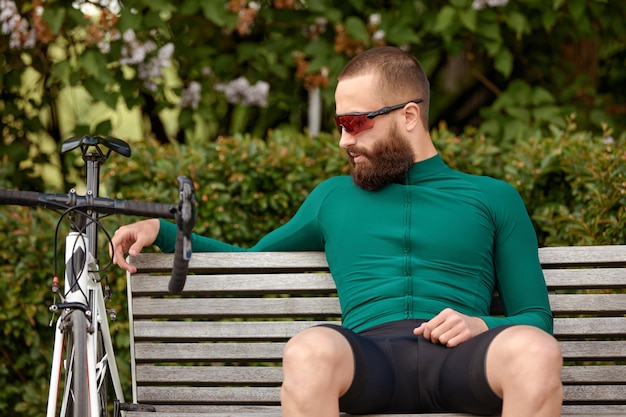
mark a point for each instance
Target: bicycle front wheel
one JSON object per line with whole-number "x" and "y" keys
{"x": 75, "y": 394}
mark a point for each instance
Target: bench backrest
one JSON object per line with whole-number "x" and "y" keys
{"x": 220, "y": 342}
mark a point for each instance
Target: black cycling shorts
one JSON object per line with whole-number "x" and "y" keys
{"x": 398, "y": 372}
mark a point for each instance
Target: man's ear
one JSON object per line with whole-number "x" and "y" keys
{"x": 412, "y": 116}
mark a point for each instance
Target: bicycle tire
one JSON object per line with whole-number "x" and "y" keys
{"x": 75, "y": 392}
{"x": 104, "y": 377}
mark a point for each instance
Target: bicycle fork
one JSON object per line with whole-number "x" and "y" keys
{"x": 83, "y": 295}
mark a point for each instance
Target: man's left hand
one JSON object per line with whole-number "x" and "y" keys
{"x": 451, "y": 328}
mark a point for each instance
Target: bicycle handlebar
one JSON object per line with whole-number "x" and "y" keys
{"x": 84, "y": 203}
{"x": 183, "y": 213}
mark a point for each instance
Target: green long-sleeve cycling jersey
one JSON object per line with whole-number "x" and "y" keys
{"x": 442, "y": 239}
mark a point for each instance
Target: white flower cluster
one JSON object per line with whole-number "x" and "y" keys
{"x": 378, "y": 35}
{"x": 608, "y": 140}
{"x": 375, "y": 19}
{"x": 104, "y": 45}
{"x": 239, "y": 91}
{"x": 149, "y": 69}
{"x": 481, "y": 4}
{"x": 134, "y": 52}
{"x": 190, "y": 96}
{"x": 22, "y": 36}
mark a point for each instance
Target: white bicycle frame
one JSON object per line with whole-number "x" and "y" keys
{"x": 84, "y": 288}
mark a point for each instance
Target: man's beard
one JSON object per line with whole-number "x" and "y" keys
{"x": 387, "y": 162}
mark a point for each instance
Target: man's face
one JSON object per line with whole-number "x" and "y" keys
{"x": 379, "y": 155}
{"x": 386, "y": 162}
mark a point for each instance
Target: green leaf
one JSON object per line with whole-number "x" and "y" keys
{"x": 556, "y": 4}
{"x": 402, "y": 35}
{"x": 513, "y": 129}
{"x": 54, "y": 17}
{"x": 215, "y": 12}
{"x": 518, "y": 23}
{"x": 492, "y": 46}
{"x": 189, "y": 7}
{"x": 161, "y": 5}
{"x": 185, "y": 118}
{"x": 519, "y": 92}
{"x": 104, "y": 128}
{"x": 445, "y": 19}
{"x": 99, "y": 93}
{"x": 357, "y": 4}
{"x": 540, "y": 96}
{"x": 504, "y": 62}
{"x": 547, "y": 113}
{"x": 74, "y": 14}
{"x": 93, "y": 62}
{"x": 577, "y": 8}
{"x": 129, "y": 19}
{"x": 490, "y": 127}
{"x": 548, "y": 19}
{"x": 357, "y": 30}
{"x": 461, "y": 4}
{"x": 153, "y": 19}
{"x": 469, "y": 19}
{"x": 60, "y": 72}
{"x": 518, "y": 113}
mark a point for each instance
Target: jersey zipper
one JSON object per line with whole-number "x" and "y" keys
{"x": 407, "y": 248}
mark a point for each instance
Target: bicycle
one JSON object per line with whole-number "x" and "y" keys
{"x": 83, "y": 362}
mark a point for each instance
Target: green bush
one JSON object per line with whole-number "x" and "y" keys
{"x": 573, "y": 183}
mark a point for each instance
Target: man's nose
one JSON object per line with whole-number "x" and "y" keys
{"x": 346, "y": 139}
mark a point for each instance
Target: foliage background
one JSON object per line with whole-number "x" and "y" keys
{"x": 532, "y": 92}
{"x": 167, "y": 70}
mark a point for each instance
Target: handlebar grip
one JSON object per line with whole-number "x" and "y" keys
{"x": 19, "y": 198}
{"x": 180, "y": 267}
{"x": 185, "y": 220}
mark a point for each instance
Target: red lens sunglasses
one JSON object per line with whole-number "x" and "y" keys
{"x": 357, "y": 122}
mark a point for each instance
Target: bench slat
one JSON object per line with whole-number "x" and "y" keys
{"x": 236, "y": 307}
{"x": 209, "y": 352}
{"x": 297, "y": 283}
{"x": 588, "y": 303}
{"x": 318, "y": 306}
{"x": 304, "y": 261}
{"x": 588, "y": 278}
{"x": 202, "y": 395}
{"x": 605, "y": 374}
{"x": 266, "y": 352}
{"x": 279, "y": 330}
{"x": 209, "y": 375}
{"x": 271, "y": 395}
{"x": 274, "y": 411}
{"x": 234, "y": 284}
{"x": 596, "y": 326}
{"x": 582, "y": 255}
{"x": 272, "y": 375}
{"x": 594, "y": 393}
{"x": 594, "y": 350}
{"x": 214, "y": 262}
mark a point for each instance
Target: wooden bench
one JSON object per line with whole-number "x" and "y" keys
{"x": 216, "y": 349}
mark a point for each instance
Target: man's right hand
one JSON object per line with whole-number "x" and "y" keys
{"x": 131, "y": 239}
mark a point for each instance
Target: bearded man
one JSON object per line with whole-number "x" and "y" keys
{"x": 416, "y": 250}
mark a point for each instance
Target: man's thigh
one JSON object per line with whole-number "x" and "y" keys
{"x": 396, "y": 371}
